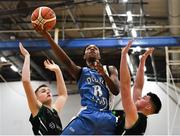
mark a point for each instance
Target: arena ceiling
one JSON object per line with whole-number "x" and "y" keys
{"x": 84, "y": 19}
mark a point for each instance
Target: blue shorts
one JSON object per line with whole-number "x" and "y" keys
{"x": 91, "y": 122}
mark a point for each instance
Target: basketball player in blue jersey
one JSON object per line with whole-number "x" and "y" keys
{"x": 94, "y": 85}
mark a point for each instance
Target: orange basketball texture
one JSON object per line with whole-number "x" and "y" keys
{"x": 43, "y": 18}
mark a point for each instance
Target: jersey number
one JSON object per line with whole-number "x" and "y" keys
{"x": 97, "y": 90}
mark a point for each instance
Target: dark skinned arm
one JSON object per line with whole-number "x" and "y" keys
{"x": 73, "y": 69}
{"x": 112, "y": 80}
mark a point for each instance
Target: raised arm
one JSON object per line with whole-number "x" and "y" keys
{"x": 73, "y": 69}
{"x": 31, "y": 97}
{"x": 61, "y": 88}
{"x": 112, "y": 80}
{"x": 125, "y": 87}
{"x": 139, "y": 81}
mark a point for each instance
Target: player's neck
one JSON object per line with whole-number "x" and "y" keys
{"x": 91, "y": 64}
{"x": 144, "y": 112}
{"x": 48, "y": 106}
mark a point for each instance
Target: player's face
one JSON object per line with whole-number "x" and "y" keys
{"x": 44, "y": 95}
{"x": 142, "y": 102}
{"x": 92, "y": 52}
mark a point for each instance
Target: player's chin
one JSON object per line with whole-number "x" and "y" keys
{"x": 48, "y": 100}
{"x": 92, "y": 57}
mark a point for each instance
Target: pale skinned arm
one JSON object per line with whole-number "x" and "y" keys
{"x": 33, "y": 103}
{"x": 139, "y": 81}
{"x": 125, "y": 87}
{"x": 61, "y": 88}
{"x": 73, "y": 69}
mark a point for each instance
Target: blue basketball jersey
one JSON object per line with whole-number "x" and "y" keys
{"x": 93, "y": 90}
{"x": 94, "y": 118}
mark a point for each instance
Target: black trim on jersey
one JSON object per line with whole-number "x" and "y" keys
{"x": 108, "y": 70}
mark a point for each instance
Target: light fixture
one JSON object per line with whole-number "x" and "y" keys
{"x": 125, "y": 0}
{"x": 129, "y": 16}
{"x": 145, "y": 69}
{"x": 129, "y": 63}
{"x": 140, "y": 56}
{"x": 3, "y": 59}
{"x": 133, "y": 32}
{"x": 137, "y": 49}
{"x": 14, "y": 68}
{"x": 12, "y": 37}
{"x": 146, "y": 49}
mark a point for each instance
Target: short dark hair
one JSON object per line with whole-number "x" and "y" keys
{"x": 156, "y": 102}
{"x": 43, "y": 85}
{"x": 89, "y": 45}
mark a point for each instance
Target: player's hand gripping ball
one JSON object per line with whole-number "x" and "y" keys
{"x": 43, "y": 18}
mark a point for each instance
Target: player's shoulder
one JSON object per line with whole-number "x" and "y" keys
{"x": 112, "y": 68}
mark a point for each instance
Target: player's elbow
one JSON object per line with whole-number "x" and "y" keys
{"x": 66, "y": 96}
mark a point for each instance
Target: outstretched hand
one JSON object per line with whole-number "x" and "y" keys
{"x": 126, "y": 49}
{"x": 146, "y": 54}
{"x": 44, "y": 33}
{"x": 24, "y": 52}
{"x": 51, "y": 65}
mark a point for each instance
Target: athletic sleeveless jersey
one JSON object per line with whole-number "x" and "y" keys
{"x": 46, "y": 122}
{"x": 138, "y": 128}
{"x": 94, "y": 118}
{"x": 93, "y": 90}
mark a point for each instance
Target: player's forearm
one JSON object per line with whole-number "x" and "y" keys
{"x": 125, "y": 77}
{"x": 71, "y": 66}
{"x": 125, "y": 81}
{"x": 59, "y": 51}
{"x": 26, "y": 69}
{"x": 139, "y": 81}
{"x": 112, "y": 85}
{"x": 32, "y": 101}
{"x": 61, "y": 88}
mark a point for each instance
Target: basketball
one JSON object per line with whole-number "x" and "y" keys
{"x": 43, "y": 18}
